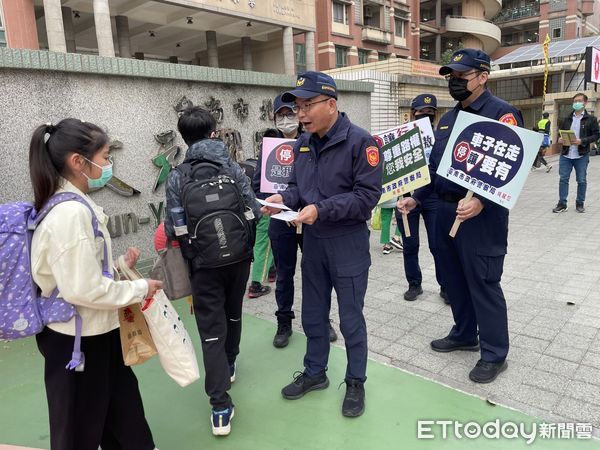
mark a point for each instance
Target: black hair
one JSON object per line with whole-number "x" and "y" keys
{"x": 195, "y": 123}
{"x": 546, "y": 114}
{"x": 49, "y": 148}
{"x": 581, "y": 94}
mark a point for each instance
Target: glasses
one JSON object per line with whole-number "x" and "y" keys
{"x": 463, "y": 76}
{"x": 306, "y": 106}
{"x": 290, "y": 115}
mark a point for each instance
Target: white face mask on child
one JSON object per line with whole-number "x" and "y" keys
{"x": 286, "y": 126}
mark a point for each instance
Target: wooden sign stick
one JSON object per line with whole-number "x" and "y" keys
{"x": 405, "y": 223}
{"x": 457, "y": 222}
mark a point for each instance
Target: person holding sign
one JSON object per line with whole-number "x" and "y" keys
{"x": 336, "y": 179}
{"x": 473, "y": 261}
{"x": 581, "y": 130}
{"x": 424, "y": 105}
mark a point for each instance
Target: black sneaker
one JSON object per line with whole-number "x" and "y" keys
{"x": 258, "y": 290}
{"x": 560, "y": 207}
{"x": 354, "y": 400}
{"x": 282, "y": 337}
{"x": 412, "y": 293}
{"x": 446, "y": 345}
{"x": 302, "y": 384}
{"x": 579, "y": 208}
{"x": 486, "y": 372}
{"x": 444, "y": 295}
{"x": 332, "y": 333}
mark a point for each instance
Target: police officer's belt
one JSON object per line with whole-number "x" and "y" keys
{"x": 452, "y": 198}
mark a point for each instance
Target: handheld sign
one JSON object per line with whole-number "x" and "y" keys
{"x": 490, "y": 158}
{"x": 405, "y": 152}
{"x": 276, "y": 166}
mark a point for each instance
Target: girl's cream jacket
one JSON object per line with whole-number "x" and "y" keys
{"x": 66, "y": 254}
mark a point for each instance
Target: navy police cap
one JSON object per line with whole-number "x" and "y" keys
{"x": 279, "y": 103}
{"x": 310, "y": 84}
{"x": 467, "y": 59}
{"x": 423, "y": 101}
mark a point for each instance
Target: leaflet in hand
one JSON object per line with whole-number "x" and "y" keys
{"x": 273, "y": 205}
{"x": 287, "y": 216}
{"x": 568, "y": 136}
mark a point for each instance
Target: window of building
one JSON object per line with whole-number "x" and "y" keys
{"x": 341, "y": 56}
{"x": 400, "y": 27}
{"x": 556, "y": 33}
{"x": 363, "y": 56}
{"x": 383, "y": 56}
{"x": 340, "y": 13}
{"x": 2, "y": 31}
{"x": 372, "y": 15}
{"x": 300, "y": 58}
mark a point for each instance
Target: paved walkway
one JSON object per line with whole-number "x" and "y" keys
{"x": 552, "y": 286}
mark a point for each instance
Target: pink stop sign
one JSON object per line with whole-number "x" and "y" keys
{"x": 461, "y": 151}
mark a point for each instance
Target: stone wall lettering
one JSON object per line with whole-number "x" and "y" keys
{"x": 240, "y": 108}
{"x": 266, "y": 110}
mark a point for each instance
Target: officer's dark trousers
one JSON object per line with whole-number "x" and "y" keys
{"x": 285, "y": 243}
{"x": 410, "y": 253}
{"x": 100, "y": 406}
{"x": 472, "y": 281}
{"x": 341, "y": 263}
{"x": 218, "y": 295}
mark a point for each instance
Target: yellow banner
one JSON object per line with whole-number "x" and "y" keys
{"x": 545, "y": 46}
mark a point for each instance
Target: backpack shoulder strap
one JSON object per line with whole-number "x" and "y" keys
{"x": 71, "y": 196}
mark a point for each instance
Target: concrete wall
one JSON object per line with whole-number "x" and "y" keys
{"x": 132, "y": 109}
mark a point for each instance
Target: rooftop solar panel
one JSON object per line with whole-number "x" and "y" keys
{"x": 534, "y": 52}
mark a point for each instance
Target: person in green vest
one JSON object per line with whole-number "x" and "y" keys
{"x": 543, "y": 126}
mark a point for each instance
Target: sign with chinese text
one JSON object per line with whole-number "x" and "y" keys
{"x": 592, "y": 65}
{"x": 277, "y": 161}
{"x": 424, "y": 125}
{"x": 490, "y": 158}
{"x": 404, "y": 165}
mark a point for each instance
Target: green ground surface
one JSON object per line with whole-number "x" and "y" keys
{"x": 179, "y": 418}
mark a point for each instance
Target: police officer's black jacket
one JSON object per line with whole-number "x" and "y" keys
{"x": 588, "y": 132}
{"x": 336, "y": 174}
{"x": 490, "y": 237}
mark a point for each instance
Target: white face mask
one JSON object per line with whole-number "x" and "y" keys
{"x": 286, "y": 126}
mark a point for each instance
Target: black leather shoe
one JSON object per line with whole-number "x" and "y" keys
{"x": 354, "y": 401}
{"x": 446, "y": 345}
{"x": 302, "y": 384}
{"x": 412, "y": 293}
{"x": 486, "y": 372}
{"x": 332, "y": 333}
{"x": 282, "y": 337}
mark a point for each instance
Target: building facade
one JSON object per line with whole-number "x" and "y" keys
{"x": 524, "y": 22}
{"x": 237, "y": 34}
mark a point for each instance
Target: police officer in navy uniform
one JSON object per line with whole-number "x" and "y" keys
{"x": 336, "y": 180}
{"x": 472, "y": 261}
{"x": 285, "y": 238}
{"x": 422, "y": 106}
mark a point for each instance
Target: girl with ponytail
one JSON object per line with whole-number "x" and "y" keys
{"x": 99, "y": 403}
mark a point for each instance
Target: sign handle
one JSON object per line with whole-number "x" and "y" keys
{"x": 457, "y": 222}
{"x": 405, "y": 223}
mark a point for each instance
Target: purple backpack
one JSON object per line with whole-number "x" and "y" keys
{"x": 23, "y": 311}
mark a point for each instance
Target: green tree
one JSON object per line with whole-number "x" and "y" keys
{"x": 445, "y": 57}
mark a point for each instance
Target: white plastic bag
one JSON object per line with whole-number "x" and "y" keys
{"x": 175, "y": 348}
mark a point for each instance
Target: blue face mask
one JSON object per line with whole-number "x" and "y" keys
{"x": 578, "y": 106}
{"x": 107, "y": 173}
